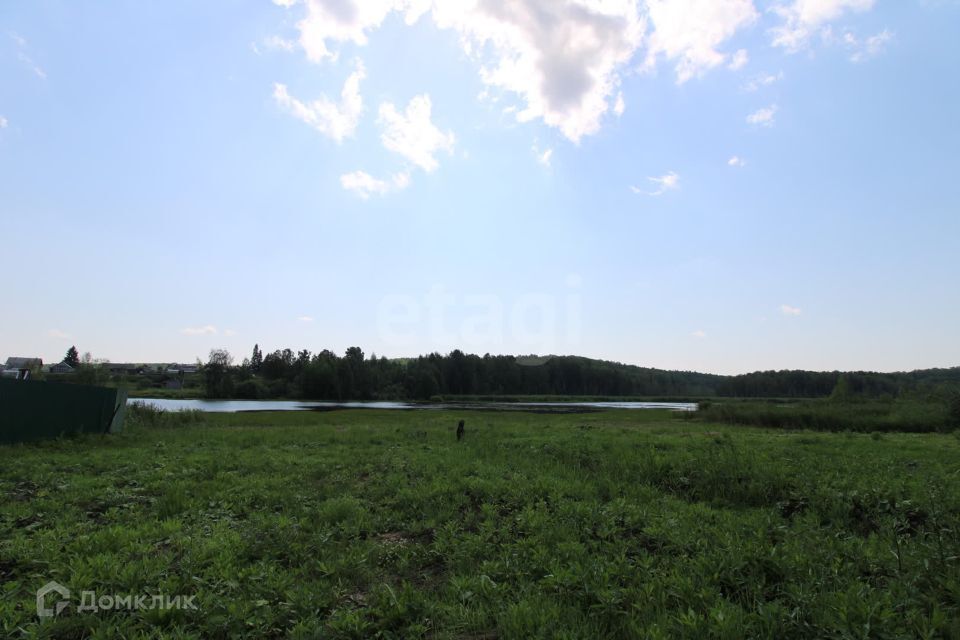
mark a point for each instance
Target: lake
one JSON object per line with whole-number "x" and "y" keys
{"x": 234, "y": 406}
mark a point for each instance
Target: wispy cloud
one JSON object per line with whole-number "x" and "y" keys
{"x": 762, "y": 80}
{"x": 736, "y": 161}
{"x": 691, "y": 33}
{"x": 566, "y": 80}
{"x": 787, "y": 310}
{"x": 411, "y": 133}
{"x": 206, "y": 330}
{"x": 22, "y": 56}
{"x": 543, "y": 157}
{"x": 862, "y": 50}
{"x": 3, "y": 122}
{"x": 619, "y": 106}
{"x": 365, "y": 185}
{"x": 739, "y": 60}
{"x": 803, "y": 19}
{"x": 305, "y": 318}
{"x": 763, "y": 117}
{"x": 699, "y": 334}
{"x": 336, "y": 120}
{"x": 37, "y": 69}
{"x": 276, "y": 42}
{"x": 230, "y": 333}
{"x": 59, "y": 335}
{"x": 667, "y": 182}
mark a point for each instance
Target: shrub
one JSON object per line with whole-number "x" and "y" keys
{"x": 862, "y": 415}
{"x": 144, "y": 414}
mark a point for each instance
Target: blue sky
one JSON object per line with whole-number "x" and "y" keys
{"x": 719, "y": 185}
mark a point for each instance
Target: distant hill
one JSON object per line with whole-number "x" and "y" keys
{"x": 353, "y": 376}
{"x": 463, "y": 374}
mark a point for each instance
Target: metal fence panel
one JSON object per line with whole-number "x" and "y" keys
{"x": 34, "y": 410}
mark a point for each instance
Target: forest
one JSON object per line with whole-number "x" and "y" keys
{"x": 354, "y": 376}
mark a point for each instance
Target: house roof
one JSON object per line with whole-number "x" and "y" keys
{"x": 23, "y": 363}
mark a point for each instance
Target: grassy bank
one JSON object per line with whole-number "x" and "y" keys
{"x": 358, "y": 524}
{"x": 828, "y": 415}
{"x": 171, "y": 394}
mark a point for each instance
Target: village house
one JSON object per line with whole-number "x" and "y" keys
{"x": 21, "y": 368}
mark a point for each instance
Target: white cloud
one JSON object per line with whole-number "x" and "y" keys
{"x": 334, "y": 120}
{"x": 739, "y": 60}
{"x": 3, "y": 122}
{"x": 24, "y": 58}
{"x": 365, "y": 185}
{"x": 787, "y": 310}
{"x": 667, "y": 182}
{"x": 339, "y": 21}
{"x": 763, "y": 117}
{"x": 802, "y": 19}
{"x": 865, "y": 49}
{"x": 59, "y": 335}
{"x": 305, "y": 318}
{"x": 699, "y": 333}
{"x": 230, "y": 333}
{"x": 543, "y": 157}
{"x": 285, "y": 3}
{"x": 37, "y": 69}
{"x": 206, "y": 330}
{"x": 690, "y": 32}
{"x": 619, "y": 106}
{"x": 762, "y": 80}
{"x": 736, "y": 161}
{"x": 400, "y": 180}
{"x": 412, "y": 134}
{"x": 561, "y": 57}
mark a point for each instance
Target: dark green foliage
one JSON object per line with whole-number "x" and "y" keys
{"x": 141, "y": 414}
{"x": 327, "y": 376}
{"x": 835, "y": 414}
{"x": 953, "y": 406}
{"x": 72, "y": 358}
{"x": 256, "y": 359}
{"x": 91, "y": 373}
{"x": 217, "y": 378}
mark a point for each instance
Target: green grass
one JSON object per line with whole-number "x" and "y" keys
{"x": 358, "y": 524}
{"x": 194, "y": 393}
{"x": 863, "y": 414}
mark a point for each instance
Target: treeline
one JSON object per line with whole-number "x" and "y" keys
{"x": 354, "y": 376}
{"x": 325, "y": 375}
{"x": 819, "y": 384}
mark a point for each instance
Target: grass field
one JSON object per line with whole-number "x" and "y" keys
{"x": 358, "y": 524}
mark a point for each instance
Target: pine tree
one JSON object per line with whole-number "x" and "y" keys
{"x": 256, "y": 359}
{"x": 72, "y": 358}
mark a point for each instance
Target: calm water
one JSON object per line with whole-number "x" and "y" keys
{"x": 233, "y": 406}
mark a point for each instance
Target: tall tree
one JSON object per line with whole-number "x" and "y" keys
{"x": 256, "y": 360}
{"x": 216, "y": 374}
{"x": 72, "y": 358}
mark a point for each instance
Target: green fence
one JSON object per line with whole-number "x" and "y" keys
{"x": 37, "y": 410}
